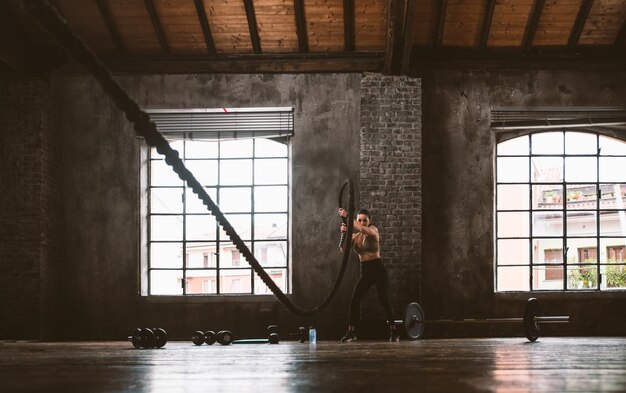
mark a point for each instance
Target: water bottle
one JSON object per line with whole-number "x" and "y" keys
{"x": 312, "y": 335}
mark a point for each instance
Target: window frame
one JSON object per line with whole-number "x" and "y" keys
{"x": 565, "y": 265}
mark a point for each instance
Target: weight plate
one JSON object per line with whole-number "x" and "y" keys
{"x": 198, "y": 337}
{"x": 272, "y": 329}
{"x": 148, "y": 338}
{"x": 224, "y": 337}
{"x": 531, "y": 310}
{"x": 210, "y": 337}
{"x": 273, "y": 338}
{"x": 160, "y": 337}
{"x": 136, "y": 338}
{"x": 413, "y": 321}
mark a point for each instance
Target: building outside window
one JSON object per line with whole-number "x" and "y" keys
{"x": 246, "y": 173}
{"x": 560, "y": 212}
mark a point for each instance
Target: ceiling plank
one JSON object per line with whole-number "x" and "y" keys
{"x": 484, "y": 36}
{"x": 408, "y": 36}
{"x": 393, "y": 52}
{"x": 441, "y": 21}
{"x": 531, "y": 28}
{"x": 248, "y": 63}
{"x": 105, "y": 13}
{"x": 301, "y": 32}
{"x": 577, "y": 30}
{"x": 156, "y": 23}
{"x": 204, "y": 24}
{"x": 348, "y": 25}
{"x": 252, "y": 25}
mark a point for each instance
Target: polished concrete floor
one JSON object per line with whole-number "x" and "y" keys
{"x": 589, "y": 364}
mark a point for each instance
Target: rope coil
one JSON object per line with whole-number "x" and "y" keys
{"x": 58, "y": 28}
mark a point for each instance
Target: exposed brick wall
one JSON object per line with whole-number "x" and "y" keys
{"x": 390, "y": 181}
{"x": 29, "y": 208}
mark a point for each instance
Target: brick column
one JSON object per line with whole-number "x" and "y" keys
{"x": 390, "y": 181}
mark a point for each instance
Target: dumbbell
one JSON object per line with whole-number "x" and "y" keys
{"x": 224, "y": 337}
{"x": 272, "y": 337}
{"x": 148, "y": 338}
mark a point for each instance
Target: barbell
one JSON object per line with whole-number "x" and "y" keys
{"x": 414, "y": 321}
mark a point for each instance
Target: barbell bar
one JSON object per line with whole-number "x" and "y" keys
{"x": 414, "y": 320}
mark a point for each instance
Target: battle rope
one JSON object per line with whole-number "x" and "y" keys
{"x": 58, "y": 28}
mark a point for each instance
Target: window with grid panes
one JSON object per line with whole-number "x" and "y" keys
{"x": 560, "y": 212}
{"x": 247, "y": 175}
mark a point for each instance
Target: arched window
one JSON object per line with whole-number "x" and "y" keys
{"x": 560, "y": 212}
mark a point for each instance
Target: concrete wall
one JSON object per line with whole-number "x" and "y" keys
{"x": 458, "y": 217}
{"x": 101, "y": 195}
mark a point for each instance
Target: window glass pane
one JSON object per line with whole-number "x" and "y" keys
{"x": 581, "y": 143}
{"x": 513, "y": 278}
{"x": 548, "y": 223}
{"x": 242, "y": 223}
{"x": 201, "y": 255}
{"x": 194, "y": 204}
{"x": 513, "y": 197}
{"x": 612, "y": 169}
{"x": 581, "y": 196}
{"x": 235, "y": 281}
{"x": 513, "y": 252}
{"x": 166, "y": 228}
{"x": 612, "y": 223}
{"x": 581, "y": 169}
{"x": 547, "y": 143}
{"x": 166, "y": 282}
{"x": 270, "y": 226}
{"x": 201, "y": 282}
{"x": 236, "y": 148}
{"x": 547, "y": 197}
{"x": 201, "y": 227}
{"x": 613, "y": 196}
{"x": 513, "y": 169}
{"x": 580, "y": 251}
{"x": 548, "y": 250}
{"x": 174, "y": 144}
{"x": 548, "y": 277}
{"x": 270, "y": 199}
{"x": 166, "y": 200}
{"x": 271, "y": 253}
{"x": 582, "y": 277}
{"x": 235, "y": 199}
{"x": 611, "y": 146}
{"x": 163, "y": 175}
{"x": 270, "y": 171}
{"x": 269, "y": 148}
{"x": 547, "y": 169}
{"x": 201, "y": 149}
{"x": 613, "y": 276}
{"x": 166, "y": 255}
{"x": 236, "y": 172}
{"x": 230, "y": 257}
{"x": 613, "y": 250}
{"x": 514, "y": 147}
{"x": 581, "y": 223}
{"x": 514, "y": 224}
{"x": 205, "y": 171}
{"x": 279, "y": 276}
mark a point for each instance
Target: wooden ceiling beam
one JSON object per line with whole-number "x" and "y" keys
{"x": 441, "y": 21}
{"x": 301, "y": 31}
{"x": 156, "y": 23}
{"x": 409, "y": 26}
{"x": 484, "y": 35}
{"x": 204, "y": 24}
{"x": 577, "y": 30}
{"x": 252, "y": 25}
{"x": 395, "y": 37}
{"x": 248, "y": 63}
{"x": 348, "y": 25}
{"x": 620, "y": 40}
{"x": 531, "y": 28}
{"x": 105, "y": 13}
